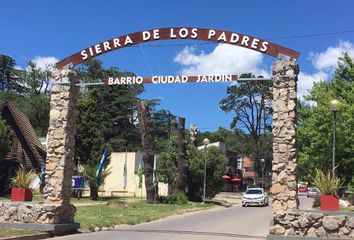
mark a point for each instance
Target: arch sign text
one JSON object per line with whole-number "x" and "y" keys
{"x": 203, "y": 34}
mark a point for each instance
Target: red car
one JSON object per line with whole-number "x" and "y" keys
{"x": 302, "y": 189}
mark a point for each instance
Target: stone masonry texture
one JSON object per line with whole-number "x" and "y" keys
{"x": 313, "y": 224}
{"x": 61, "y": 137}
{"x": 284, "y": 182}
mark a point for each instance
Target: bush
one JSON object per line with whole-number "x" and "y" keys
{"x": 23, "y": 178}
{"x": 174, "y": 199}
{"x": 316, "y": 202}
{"x": 327, "y": 184}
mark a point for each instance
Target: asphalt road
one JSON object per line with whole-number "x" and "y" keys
{"x": 215, "y": 224}
{"x": 218, "y": 224}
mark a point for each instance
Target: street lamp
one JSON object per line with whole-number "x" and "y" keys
{"x": 334, "y": 106}
{"x": 205, "y": 142}
{"x": 263, "y": 165}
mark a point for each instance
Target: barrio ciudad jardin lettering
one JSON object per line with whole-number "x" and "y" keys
{"x": 175, "y": 33}
{"x": 127, "y": 80}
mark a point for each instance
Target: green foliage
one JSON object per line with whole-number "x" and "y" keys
{"x": 35, "y": 107}
{"x": 315, "y": 125}
{"x": 316, "y": 202}
{"x": 250, "y": 101}
{"x": 167, "y": 161}
{"x": 9, "y": 75}
{"x": 215, "y": 168}
{"x": 35, "y": 79}
{"x": 327, "y": 184}
{"x": 27, "y": 90}
{"x": 179, "y": 198}
{"x": 351, "y": 185}
{"x": 162, "y": 121}
{"x": 23, "y": 178}
{"x": 90, "y": 176}
{"x": 106, "y": 115}
{"x": 4, "y": 139}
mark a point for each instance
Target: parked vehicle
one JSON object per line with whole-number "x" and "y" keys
{"x": 313, "y": 192}
{"x": 302, "y": 189}
{"x": 255, "y": 197}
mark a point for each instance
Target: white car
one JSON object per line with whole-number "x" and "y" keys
{"x": 255, "y": 197}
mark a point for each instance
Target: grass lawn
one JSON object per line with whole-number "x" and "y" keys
{"x": 113, "y": 214}
{"x": 111, "y": 211}
{"x": 73, "y": 200}
{"x": 14, "y": 232}
{"x": 347, "y": 209}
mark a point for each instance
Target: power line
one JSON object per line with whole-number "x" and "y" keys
{"x": 313, "y": 35}
{"x": 310, "y": 35}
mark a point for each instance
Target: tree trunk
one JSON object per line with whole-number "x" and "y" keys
{"x": 172, "y": 183}
{"x": 182, "y": 169}
{"x": 93, "y": 190}
{"x": 147, "y": 135}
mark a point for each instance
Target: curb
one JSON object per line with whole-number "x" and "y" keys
{"x": 28, "y": 237}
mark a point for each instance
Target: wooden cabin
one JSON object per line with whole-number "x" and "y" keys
{"x": 25, "y": 147}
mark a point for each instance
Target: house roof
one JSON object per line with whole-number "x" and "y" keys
{"x": 19, "y": 122}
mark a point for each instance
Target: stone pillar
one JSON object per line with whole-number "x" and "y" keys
{"x": 285, "y": 158}
{"x": 61, "y": 142}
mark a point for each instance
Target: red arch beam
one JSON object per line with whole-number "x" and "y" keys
{"x": 204, "y": 34}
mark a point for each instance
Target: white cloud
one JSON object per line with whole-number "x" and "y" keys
{"x": 327, "y": 60}
{"x": 306, "y": 82}
{"x": 44, "y": 63}
{"x": 224, "y": 59}
{"x": 227, "y": 59}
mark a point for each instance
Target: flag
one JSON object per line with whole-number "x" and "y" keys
{"x": 140, "y": 175}
{"x": 100, "y": 165}
{"x": 42, "y": 175}
{"x": 125, "y": 173}
{"x": 154, "y": 181}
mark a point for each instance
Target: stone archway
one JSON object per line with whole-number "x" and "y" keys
{"x": 63, "y": 115}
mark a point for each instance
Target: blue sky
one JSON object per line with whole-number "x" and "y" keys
{"x": 47, "y": 31}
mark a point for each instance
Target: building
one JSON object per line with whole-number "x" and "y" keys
{"x": 239, "y": 172}
{"x": 25, "y": 147}
{"x": 114, "y": 184}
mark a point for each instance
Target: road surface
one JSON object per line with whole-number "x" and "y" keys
{"x": 219, "y": 224}
{"x": 216, "y": 224}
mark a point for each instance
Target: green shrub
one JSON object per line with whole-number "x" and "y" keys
{"x": 179, "y": 198}
{"x": 327, "y": 184}
{"x": 23, "y": 178}
{"x": 316, "y": 202}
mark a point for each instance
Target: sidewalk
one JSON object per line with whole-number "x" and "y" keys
{"x": 229, "y": 198}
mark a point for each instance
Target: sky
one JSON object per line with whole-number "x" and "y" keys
{"x": 47, "y": 31}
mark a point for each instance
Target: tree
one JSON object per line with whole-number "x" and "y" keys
{"x": 27, "y": 90}
{"x": 251, "y": 103}
{"x": 9, "y": 75}
{"x": 4, "y": 139}
{"x": 147, "y": 134}
{"x": 167, "y": 163}
{"x": 36, "y": 80}
{"x": 215, "y": 167}
{"x": 115, "y": 106}
{"x": 107, "y": 116}
{"x": 162, "y": 120}
{"x": 35, "y": 107}
{"x": 315, "y": 124}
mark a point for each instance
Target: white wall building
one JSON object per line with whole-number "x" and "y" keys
{"x": 114, "y": 182}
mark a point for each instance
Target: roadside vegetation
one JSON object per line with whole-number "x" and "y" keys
{"x": 115, "y": 213}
